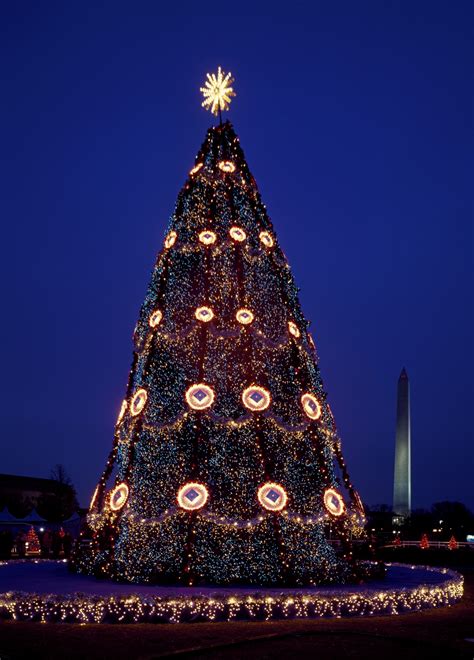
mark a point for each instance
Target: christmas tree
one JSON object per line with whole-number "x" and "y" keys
{"x": 33, "y": 544}
{"x": 226, "y": 466}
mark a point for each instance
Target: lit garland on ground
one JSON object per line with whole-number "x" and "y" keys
{"x": 85, "y": 608}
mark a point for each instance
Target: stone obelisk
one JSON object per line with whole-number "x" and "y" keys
{"x": 402, "y": 472}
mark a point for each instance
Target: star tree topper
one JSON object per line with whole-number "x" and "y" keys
{"x": 218, "y": 91}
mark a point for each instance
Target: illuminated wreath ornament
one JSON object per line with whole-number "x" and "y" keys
{"x": 196, "y": 169}
{"x": 207, "y": 237}
{"x": 118, "y": 497}
{"x": 204, "y": 314}
{"x": 155, "y": 318}
{"x": 244, "y": 316}
{"x": 272, "y": 497}
{"x": 333, "y": 502}
{"x": 138, "y": 402}
{"x": 123, "y": 409}
{"x": 266, "y": 239}
{"x": 192, "y": 496}
{"x": 256, "y": 398}
{"x": 293, "y": 329}
{"x": 237, "y": 234}
{"x": 170, "y": 240}
{"x": 311, "y": 406}
{"x": 200, "y": 396}
{"x": 226, "y": 166}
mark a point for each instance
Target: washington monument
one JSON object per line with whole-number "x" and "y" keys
{"x": 402, "y": 472}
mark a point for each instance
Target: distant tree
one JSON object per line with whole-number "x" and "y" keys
{"x": 62, "y": 503}
{"x": 455, "y": 516}
{"x": 453, "y": 544}
{"x": 424, "y": 543}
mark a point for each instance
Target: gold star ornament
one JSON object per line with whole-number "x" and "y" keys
{"x": 217, "y": 91}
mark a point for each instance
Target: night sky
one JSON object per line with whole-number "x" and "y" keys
{"x": 355, "y": 121}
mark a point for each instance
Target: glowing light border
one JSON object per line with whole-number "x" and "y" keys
{"x": 293, "y": 329}
{"x": 136, "y": 408}
{"x": 226, "y": 166}
{"x": 269, "y": 506}
{"x": 206, "y": 319}
{"x": 244, "y": 321}
{"x": 196, "y": 504}
{"x": 237, "y": 234}
{"x": 266, "y": 239}
{"x": 205, "y": 240}
{"x": 155, "y": 318}
{"x": 332, "y": 492}
{"x": 253, "y": 405}
{"x": 203, "y": 405}
{"x": 120, "y": 488}
{"x": 307, "y": 410}
{"x": 170, "y": 239}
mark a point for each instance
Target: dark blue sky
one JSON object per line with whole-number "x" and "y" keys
{"x": 355, "y": 121}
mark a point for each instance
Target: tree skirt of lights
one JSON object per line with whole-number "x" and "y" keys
{"x": 44, "y": 590}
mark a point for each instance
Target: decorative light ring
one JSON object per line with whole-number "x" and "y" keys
{"x": 138, "y": 402}
{"x": 196, "y": 169}
{"x": 200, "y": 396}
{"x": 266, "y": 239}
{"x": 293, "y": 329}
{"x": 311, "y": 406}
{"x": 272, "y": 497}
{"x": 155, "y": 318}
{"x": 192, "y": 496}
{"x": 118, "y": 497}
{"x": 207, "y": 237}
{"x": 238, "y": 234}
{"x": 94, "y": 496}
{"x": 226, "y": 166}
{"x": 204, "y": 314}
{"x": 333, "y": 502}
{"x": 256, "y": 398}
{"x": 123, "y": 409}
{"x": 170, "y": 240}
{"x": 311, "y": 341}
{"x": 358, "y": 503}
{"x": 244, "y": 316}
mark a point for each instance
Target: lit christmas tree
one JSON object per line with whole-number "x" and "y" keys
{"x": 33, "y": 544}
{"x": 226, "y": 466}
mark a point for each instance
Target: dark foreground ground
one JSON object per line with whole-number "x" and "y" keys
{"x": 432, "y": 634}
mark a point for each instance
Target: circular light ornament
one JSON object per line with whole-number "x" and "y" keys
{"x": 207, "y": 237}
{"x": 244, "y": 316}
{"x": 293, "y": 329}
{"x": 226, "y": 166}
{"x": 204, "y": 314}
{"x": 266, "y": 239}
{"x": 123, "y": 409}
{"x": 170, "y": 240}
{"x": 94, "y": 496}
{"x": 311, "y": 406}
{"x": 138, "y": 402}
{"x": 155, "y": 318}
{"x": 118, "y": 497}
{"x": 192, "y": 496}
{"x": 272, "y": 497}
{"x": 238, "y": 234}
{"x": 311, "y": 342}
{"x": 196, "y": 169}
{"x": 333, "y": 502}
{"x": 256, "y": 398}
{"x": 200, "y": 396}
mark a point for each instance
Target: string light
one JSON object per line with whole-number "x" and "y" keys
{"x": 118, "y": 497}
{"x": 200, "y": 396}
{"x": 138, "y": 402}
{"x": 256, "y": 398}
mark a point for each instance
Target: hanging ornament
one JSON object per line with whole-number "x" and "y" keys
{"x": 272, "y": 497}
{"x": 311, "y": 406}
{"x": 293, "y": 329}
{"x": 204, "y": 314}
{"x": 237, "y": 234}
{"x": 155, "y": 318}
{"x": 256, "y": 398}
{"x": 123, "y": 409}
{"x": 207, "y": 237}
{"x": 192, "y": 496}
{"x": 244, "y": 316}
{"x": 266, "y": 239}
{"x": 333, "y": 502}
{"x": 138, "y": 402}
{"x": 196, "y": 169}
{"x": 170, "y": 240}
{"x": 118, "y": 497}
{"x": 200, "y": 396}
{"x": 226, "y": 166}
